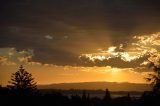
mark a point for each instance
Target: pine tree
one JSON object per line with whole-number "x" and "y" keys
{"x": 22, "y": 81}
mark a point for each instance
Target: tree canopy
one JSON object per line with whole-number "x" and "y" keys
{"x": 22, "y": 81}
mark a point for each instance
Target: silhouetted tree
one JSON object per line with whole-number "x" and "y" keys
{"x": 154, "y": 78}
{"x": 22, "y": 81}
{"x": 88, "y": 97}
{"x": 107, "y": 95}
{"x": 84, "y": 96}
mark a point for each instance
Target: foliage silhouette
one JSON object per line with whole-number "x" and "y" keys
{"x": 22, "y": 81}
{"x": 107, "y": 96}
{"x": 154, "y": 78}
{"x": 84, "y": 96}
{"x": 57, "y": 98}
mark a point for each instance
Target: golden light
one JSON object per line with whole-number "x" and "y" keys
{"x": 115, "y": 70}
{"x": 111, "y": 49}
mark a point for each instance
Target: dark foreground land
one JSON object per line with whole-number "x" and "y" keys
{"x": 57, "y": 98}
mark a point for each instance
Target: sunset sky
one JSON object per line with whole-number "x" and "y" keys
{"x": 79, "y": 40}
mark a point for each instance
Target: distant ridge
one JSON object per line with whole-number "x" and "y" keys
{"x": 112, "y": 86}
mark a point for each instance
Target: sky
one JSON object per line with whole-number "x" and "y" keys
{"x": 79, "y": 40}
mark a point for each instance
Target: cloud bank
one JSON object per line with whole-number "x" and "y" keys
{"x": 133, "y": 54}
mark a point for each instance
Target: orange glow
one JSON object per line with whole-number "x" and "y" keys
{"x": 61, "y": 74}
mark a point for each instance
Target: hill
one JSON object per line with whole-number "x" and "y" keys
{"x": 112, "y": 86}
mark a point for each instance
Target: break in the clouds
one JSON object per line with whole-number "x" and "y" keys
{"x": 59, "y": 31}
{"x": 141, "y": 50}
{"x": 11, "y": 56}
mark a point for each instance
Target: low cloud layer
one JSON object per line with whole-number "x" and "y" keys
{"x": 11, "y": 56}
{"x": 132, "y": 54}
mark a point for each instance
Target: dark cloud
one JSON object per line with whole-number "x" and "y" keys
{"x": 87, "y": 24}
{"x": 113, "y": 62}
{"x": 53, "y": 56}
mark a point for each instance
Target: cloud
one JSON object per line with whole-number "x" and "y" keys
{"x": 130, "y": 55}
{"x": 89, "y": 24}
{"x": 48, "y": 37}
{"x": 114, "y": 62}
{"x": 138, "y": 52}
{"x": 11, "y": 56}
{"x": 5, "y": 61}
{"x": 65, "y": 37}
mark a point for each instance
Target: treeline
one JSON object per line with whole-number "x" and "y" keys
{"x": 10, "y": 97}
{"x": 98, "y": 91}
{"x": 23, "y": 91}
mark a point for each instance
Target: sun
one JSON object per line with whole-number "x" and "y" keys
{"x": 115, "y": 70}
